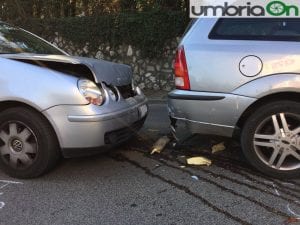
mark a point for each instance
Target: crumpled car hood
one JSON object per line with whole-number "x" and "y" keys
{"x": 103, "y": 71}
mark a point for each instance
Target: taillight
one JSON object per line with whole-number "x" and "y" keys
{"x": 182, "y": 80}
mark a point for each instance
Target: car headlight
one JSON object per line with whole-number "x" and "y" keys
{"x": 91, "y": 92}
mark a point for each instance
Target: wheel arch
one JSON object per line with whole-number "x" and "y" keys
{"x": 291, "y": 96}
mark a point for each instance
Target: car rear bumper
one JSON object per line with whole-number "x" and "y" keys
{"x": 88, "y": 127}
{"x": 207, "y": 113}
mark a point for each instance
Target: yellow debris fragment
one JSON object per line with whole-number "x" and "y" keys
{"x": 218, "y": 148}
{"x": 160, "y": 145}
{"x": 199, "y": 161}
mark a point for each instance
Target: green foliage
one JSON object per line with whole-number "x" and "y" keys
{"x": 145, "y": 24}
{"x": 19, "y": 10}
{"x": 148, "y": 31}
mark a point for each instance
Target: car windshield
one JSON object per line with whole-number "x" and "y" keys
{"x": 14, "y": 40}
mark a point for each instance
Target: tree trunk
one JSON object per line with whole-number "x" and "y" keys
{"x": 72, "y": 7}
{"x": 187, "y": 6}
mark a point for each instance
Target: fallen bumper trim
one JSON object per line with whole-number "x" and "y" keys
{"x": 204, "y": 123}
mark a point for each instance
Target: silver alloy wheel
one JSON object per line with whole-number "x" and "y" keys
{"x": 19, "y": 149}
{"x": 277, "y": 141}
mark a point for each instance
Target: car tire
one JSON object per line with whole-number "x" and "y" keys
{"x": 271, "y": 139}
{"x": 28, "y": 144}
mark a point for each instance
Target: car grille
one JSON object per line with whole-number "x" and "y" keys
{"x": 126, "y": 91}
{"x": 118, "y": 136}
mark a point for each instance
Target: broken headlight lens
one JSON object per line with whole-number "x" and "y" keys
{"x": 113, "y": 95}
{"x": 91, "y": 92}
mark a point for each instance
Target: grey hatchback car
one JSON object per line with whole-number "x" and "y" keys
{"x": 52, "y": 104}
{"x": 241, "y": 77}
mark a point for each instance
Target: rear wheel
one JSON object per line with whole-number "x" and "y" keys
{"x": 271, "y": 139}
{"x": 28, "y": 146}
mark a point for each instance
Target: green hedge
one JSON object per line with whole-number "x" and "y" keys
{"x": 148, "y": 31}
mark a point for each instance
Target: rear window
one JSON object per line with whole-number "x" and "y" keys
{"x": 257, "y": 29}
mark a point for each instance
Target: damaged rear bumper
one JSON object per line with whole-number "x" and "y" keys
{"x": 206, "y": 113}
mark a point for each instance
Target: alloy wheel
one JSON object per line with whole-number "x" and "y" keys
{"x": 277, "y": 141}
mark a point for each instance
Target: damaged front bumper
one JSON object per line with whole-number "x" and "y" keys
{"x": 84, "y": 129}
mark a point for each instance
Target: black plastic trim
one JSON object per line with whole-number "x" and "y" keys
{"x": 195, "y": 97}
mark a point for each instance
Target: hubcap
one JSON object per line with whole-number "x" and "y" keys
{"x": 277, "y": 141}
{"x": 16, "y": 145}
{"x": 19, "y": 145}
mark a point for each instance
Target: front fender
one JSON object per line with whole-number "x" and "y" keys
{"x": 268, "y": 85}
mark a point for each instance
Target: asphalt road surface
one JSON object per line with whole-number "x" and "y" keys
{"x": 129, "y": 186}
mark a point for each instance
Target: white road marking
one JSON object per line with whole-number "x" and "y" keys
{"x": 4, "y": 184}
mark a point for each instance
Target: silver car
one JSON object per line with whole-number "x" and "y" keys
{"x": 53, "y": 104}
{"x": 242, "y": 77}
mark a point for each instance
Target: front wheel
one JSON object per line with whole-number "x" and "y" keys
{"x": 271, "y": 139}
{"x": 28, "y": 145}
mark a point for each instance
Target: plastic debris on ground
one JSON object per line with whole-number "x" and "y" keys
{"x": 199, "y": 161}
{"x": 218, "y": 148}
{"x": 159, "y": 146}
{"x": 195, "y": 177}
{"x": 292, "y": 221}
